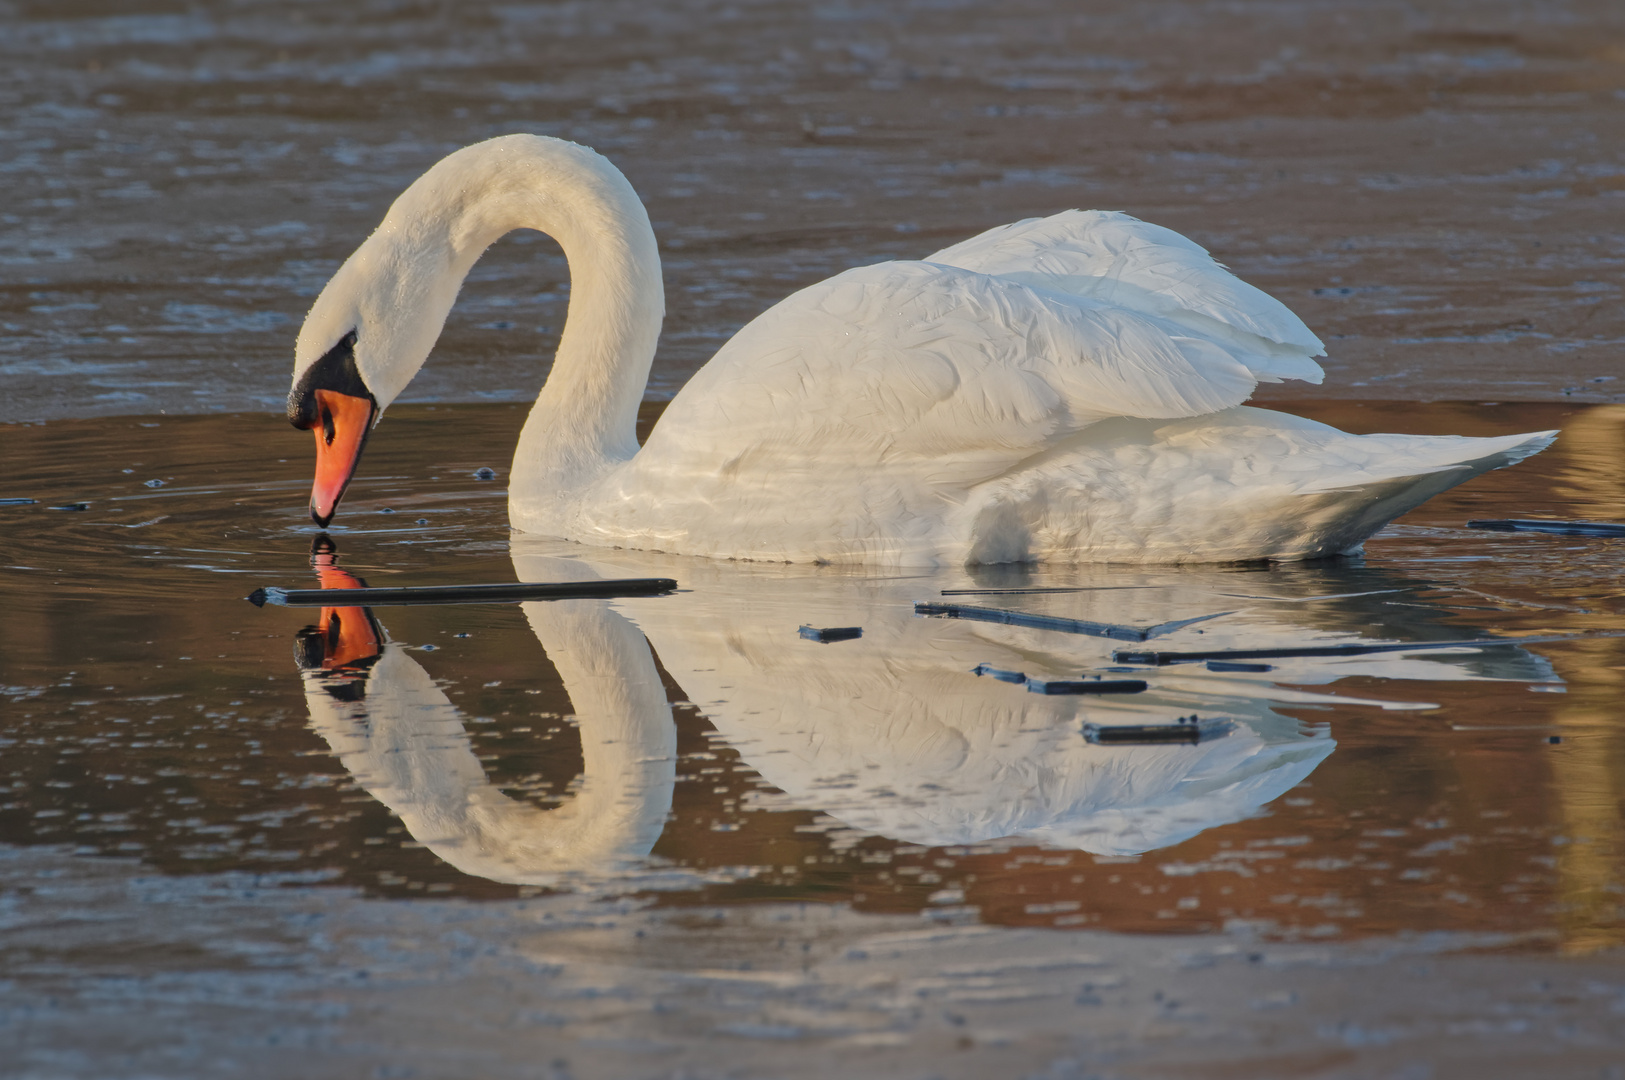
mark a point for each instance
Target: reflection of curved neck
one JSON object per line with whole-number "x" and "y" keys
{"x": 405, "y": 743}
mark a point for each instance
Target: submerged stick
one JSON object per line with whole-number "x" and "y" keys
{"x": 1055, "y": 622}
{"x": 1559, "y": 528}
{"x": 1096, "y": 685}
{"x": 829, "y": 634}
{"x": 1080, "y": 685}
{"x": 1185, "y": 730}
{"x": 1043, "y": 589}
{"x": 1159, "y": 659}
{"x": 461, "y": 594}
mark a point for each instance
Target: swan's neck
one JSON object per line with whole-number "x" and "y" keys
{"x": 585, "y": 417}
{"x": 401, "y": 284}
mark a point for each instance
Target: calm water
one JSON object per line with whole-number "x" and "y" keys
{"x": 693, "y": 749}
{"x": 668, "y": 836}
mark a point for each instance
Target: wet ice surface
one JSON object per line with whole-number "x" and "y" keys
{"x": 511, "y": 794}
{"x": 1436, "y": 188}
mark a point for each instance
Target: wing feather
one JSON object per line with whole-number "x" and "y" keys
{"x": 899, "y": 362}
{"x": 1125, "y": 262}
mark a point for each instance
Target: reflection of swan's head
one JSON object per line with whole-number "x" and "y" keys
{"x": 346, "y": 641}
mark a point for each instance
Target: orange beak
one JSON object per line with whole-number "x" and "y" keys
{"x": 343, "y": 422}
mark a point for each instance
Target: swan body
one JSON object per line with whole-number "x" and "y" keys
{"x": 1067, "y": 388}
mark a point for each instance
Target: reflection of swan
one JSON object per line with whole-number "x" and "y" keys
{"x": 403, "y": 740}
{"x": 890, "y": 734}
{"x": 1064, "y": 388}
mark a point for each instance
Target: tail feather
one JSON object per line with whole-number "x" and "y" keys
{"x": 1415, "y": 457}
{"x": 1353, "y": 512}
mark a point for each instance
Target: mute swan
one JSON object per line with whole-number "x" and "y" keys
{"x": 1067, "y": 388}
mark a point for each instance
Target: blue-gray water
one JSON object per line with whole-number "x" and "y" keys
{"x": 1438, "y": 188}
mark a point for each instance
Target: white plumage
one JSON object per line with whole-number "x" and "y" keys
{"x": 1064, "y": 388}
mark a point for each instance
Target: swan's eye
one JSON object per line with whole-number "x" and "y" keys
{"x": 336, "y": 370}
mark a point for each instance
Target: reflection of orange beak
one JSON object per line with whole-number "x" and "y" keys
{"x": 348, "y": 637}
{"x": 343, "y": 422}
{"x": 343, "y": 636}
{"x": 348, "y": 632}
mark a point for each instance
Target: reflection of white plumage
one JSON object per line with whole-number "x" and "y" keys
{"x": 894, "y": 735}
{"x": 1068, "y": 388}
{"x": 404, "y": 741}
{"x": 891, "y": 734}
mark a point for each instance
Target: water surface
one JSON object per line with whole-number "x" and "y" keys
{"x": 153, "y": 713}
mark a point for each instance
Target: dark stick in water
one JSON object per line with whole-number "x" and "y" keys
{"x": 1560, "y": 528}
{"x": 462, "y": 594}
{"x": 1192, "y": 730}
{"x": 1054, "y": 622}
{"x": 1139, "y": 656}
{"x": 1043, "y": 589}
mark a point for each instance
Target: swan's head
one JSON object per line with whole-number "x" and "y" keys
{"x": 331, "y": 398}
{"x": 367, "y": 335}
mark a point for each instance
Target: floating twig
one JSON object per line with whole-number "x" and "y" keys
{"x": 1043, "y": 589}
{"x": 1559, "y": 528}
{"x": 1096, "y": 685}
{"x": 827, "y": 634}
{"x": 1054, "y": 622}
{"x": 1313, "y": 599}
{"x": 461, "y": 594}
{"x": 1160, "y": 659}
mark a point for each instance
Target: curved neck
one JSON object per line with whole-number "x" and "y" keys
{"x": 397, "y": 289}
{"x": 587, "y": 410}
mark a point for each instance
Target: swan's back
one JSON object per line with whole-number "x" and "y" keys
{"x": 945, "y": 411}
{"x": 1128, "y": 263}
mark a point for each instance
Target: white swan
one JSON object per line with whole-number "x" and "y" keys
{"x": 1065, "y": 388}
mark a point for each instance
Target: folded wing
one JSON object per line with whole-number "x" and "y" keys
{"x": 975, "y": 372}
{"x": 1128, "y": 263}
